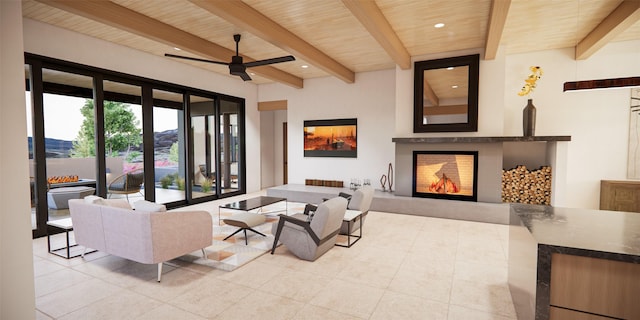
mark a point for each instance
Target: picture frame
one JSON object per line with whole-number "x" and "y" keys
{"x": 331, "y": 138}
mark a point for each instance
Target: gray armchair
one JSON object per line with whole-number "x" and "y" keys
{"x": 361, "y": 201}
{"x": 309, "y": 240}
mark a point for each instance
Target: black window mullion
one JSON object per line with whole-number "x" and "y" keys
{"x": 98, "y": 113}
{"x": 188, "y": 143}
{"x": 39, "y": 149}
{"x": 148, "y": 143}
{"x": 218, "y": 159}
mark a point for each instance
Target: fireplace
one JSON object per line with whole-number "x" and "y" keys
{"x": 445, "y": 175}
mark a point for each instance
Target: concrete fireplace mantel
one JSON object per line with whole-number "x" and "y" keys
{"x": 480, "y": 139}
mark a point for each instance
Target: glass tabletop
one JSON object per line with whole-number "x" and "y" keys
{"x": 252, "y": 203}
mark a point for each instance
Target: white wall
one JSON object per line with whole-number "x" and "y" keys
{"x": 267, "y": 153}
{"x": 490, "y": 97}
{"x": 17, "y": 290}
{"x": 597, "y": 120}
{"x": 50, "y": 41}
{"x": 371, "y": 99}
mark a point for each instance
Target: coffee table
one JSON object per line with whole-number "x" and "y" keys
{"x": 252, "y": 204}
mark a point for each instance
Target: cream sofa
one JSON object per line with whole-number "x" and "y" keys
{"x": 142, "y": 236}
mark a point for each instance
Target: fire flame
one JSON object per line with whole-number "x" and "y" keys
{"x": 444, "y": 185}
{"x": 62, "y": 179}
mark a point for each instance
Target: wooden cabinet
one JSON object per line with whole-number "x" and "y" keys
{"x": 556, "y": 313}
{"x": 620, "y": 195}
{"x": 589, "y": 287}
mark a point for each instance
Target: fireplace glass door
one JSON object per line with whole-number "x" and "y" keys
{"x": 445, "y": 174}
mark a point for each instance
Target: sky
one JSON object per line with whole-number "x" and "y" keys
{"x": 63, "y": 119}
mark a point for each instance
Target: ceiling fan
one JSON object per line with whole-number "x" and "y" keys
{"x": 236, "y": 66}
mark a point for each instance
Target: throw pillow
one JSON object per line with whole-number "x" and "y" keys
{"x": 118, "y": 203}
{"x": 95, "y": 200}
{"x": 144, "y": 205}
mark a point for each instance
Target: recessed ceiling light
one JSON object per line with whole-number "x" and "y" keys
{"x": 450, "y": 68}
{"x": 454, "y": 87}
{"x": 439, "y": 25}
{"x": 177, "y": 49}
{"x": 304, "y": 66}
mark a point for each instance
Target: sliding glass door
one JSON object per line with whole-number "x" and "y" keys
{"x": 123, "y": 143}
{"x": 169, "y": 146}
{"x": 229, "y": 152}
{"x": 204, "y": 176}
{"x": 70, "y": 155}
{"x": 121, "y": 136}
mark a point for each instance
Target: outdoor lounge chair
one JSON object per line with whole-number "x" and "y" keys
{"x": 127, "y": 183}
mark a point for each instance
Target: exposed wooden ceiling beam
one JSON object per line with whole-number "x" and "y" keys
{"x": 368, "y": 13}
{"x": 430, "y": 95}
{"x": 123, "y": 18}
{"x": 445, "y": 110}
{"x": 624, "y": 16}
{"x": 250, "y": 19}
{"x": 272, "y": 105}
{"x": 497, "y": 19}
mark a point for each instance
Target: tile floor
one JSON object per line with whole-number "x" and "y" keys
{"x": 405, "y": 267}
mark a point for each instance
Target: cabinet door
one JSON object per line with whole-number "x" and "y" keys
{"x": 624, "y": 199}
{"x": 620, "y": 196}
{"x": 564, "y": 314}
{"x": 599, "y": 286}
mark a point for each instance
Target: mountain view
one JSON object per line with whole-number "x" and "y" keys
{"x": 57, "y": 148}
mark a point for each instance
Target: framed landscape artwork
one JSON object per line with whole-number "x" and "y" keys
{"x": 331, "y": 138}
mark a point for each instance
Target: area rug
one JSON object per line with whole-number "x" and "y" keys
{"x": 232, "y": 253}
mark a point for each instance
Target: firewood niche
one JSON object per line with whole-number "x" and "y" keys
{"x": 520, "y": 185}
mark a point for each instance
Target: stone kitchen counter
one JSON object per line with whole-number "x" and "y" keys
{"x": 540, "y": 237}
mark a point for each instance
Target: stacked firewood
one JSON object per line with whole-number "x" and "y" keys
{"x": 520, "y": 185}
{"x": 325, "y": 183}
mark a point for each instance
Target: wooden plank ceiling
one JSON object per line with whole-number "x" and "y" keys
{"x": 340, "y": 38}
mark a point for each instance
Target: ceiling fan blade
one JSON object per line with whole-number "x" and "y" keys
{"x": 243, "y": 75}
{"x": 195, "y": 59}
{"x": 269, "y": 61}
